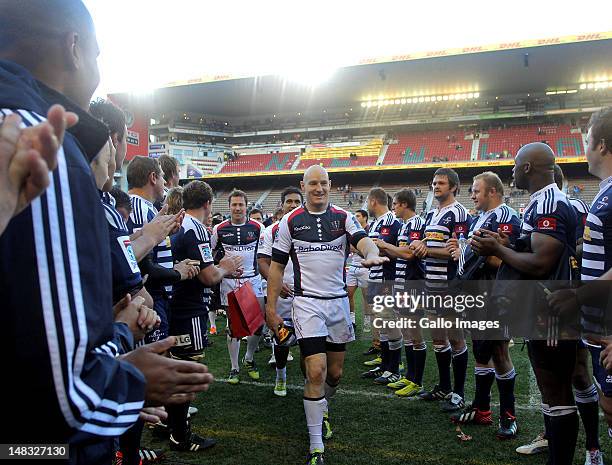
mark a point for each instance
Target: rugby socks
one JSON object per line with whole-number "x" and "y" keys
{"x": 460, "y": 363}
{"x": 315, "y": 408}
{"x": 211, "y": 318}
{"x": 443, "y": 360}
{"x": 384, "y": 355}
{"x": 410, "y": 360}
{"x": 177, "y": 421}
{"x": 252, "y": 343}
{"x": 505, "y": 385}
{"x": 129, "y": 444}
{"x": 484, "y": 377}
{"x": 562, "y": 433}
{"x": 587, "y": 402}
{"x": 420, "y": 355}
{"x": 233, "y": 347}
{"x": 395, "y": 355}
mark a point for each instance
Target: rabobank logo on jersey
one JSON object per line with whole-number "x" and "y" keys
{"x": 240, "y": 248}
{"x": 320, "y": 248}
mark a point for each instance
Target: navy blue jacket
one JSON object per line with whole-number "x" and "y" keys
{"x": 60, "y": 344}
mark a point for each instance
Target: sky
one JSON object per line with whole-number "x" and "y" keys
{"x": 147, "y": 43}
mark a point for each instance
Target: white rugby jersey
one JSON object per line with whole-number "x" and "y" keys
{"x": 265, "y": 250}
{"x": 239, "y": 239}
{"x": 318, "y": 245}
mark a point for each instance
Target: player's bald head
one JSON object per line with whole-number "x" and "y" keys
{"x": 316, "y": 171}
{"x": 27, "y": 23}
{"x": 538, "y": 154}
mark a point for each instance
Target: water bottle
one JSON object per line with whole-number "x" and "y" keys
{"x": 367, "y": 324}
{"x": 462, "y": 242}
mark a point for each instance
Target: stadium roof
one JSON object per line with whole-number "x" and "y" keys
{"x": 515, "y": 68}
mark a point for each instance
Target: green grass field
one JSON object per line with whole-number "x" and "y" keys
{"x": 371, "y": 426}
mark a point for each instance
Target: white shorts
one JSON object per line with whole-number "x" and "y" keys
{"x": 357, "y": 276}
{"x": 228, "y": 285}
{"x": 284, "y": 308}
{"x": 318, "y": 317}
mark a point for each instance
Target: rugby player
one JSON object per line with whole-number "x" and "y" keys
{"x": 492, "y": 357}
{"x": 316, "y": 238}
{"x": 385, "y": 228}
{"x": 549, "y": 226}
{"x": 449, "y": 346}
{"x": 408, "y": 268}
{"x": 291, "y": 198}
{"x": 241, "y": 237}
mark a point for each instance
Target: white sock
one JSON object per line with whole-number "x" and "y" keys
{"x": 353, "y": 317}
{"x": 233, "y": 346}
{"x": 314, "y": 410}
{"x": 211, "y": 318}
{"x": 281, "y": 373}
{"x": 252, "y": 342}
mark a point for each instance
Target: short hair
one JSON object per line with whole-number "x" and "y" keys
{"x": 451, "y": 175}
{"x": 110, "y": 114}
{"x": 363, "y": 213}
{"x": 255, "y": 210}
{"x": 139, "y": 169}
{"x": 408, "y": 197}
{"x": 174, "y": 200}
{"x": 492, "y": 181}
{"x": 291, "y": 190}
{"x": 558, "y": 172}
{"x": 600, "y": 125}
{"x": 169, "y": 166}
{"x": 122, "y": 199}
{"x": 378, "y": 194}
{"x": 237, "y": 193}
{"x": 196, "y": 194}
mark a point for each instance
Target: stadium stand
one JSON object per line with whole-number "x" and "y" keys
{"x": 339, "y": 156}
{"x": 260, "y": 162}
{"x": 502, "y": 142}
{"x": 424, "y": 146}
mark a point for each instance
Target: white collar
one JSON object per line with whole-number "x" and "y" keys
{"x": 537, "y": 194}
{"x": 603, "y": 184}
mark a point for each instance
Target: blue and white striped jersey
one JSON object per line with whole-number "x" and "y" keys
{"x": 385, "y": 228}
{"x": 143, "y": 212}
{"x": 126, "y": 273}
{"x": 411, "y": 230}
{"x": 440, "y": 225}
{"x": 582, "y": 210}
{"x": 597, "y": 245}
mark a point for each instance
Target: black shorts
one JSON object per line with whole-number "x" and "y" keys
{"x": 191, "y": 336}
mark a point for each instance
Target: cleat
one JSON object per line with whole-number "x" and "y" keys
{"x": 272, "y": 361}
{"x": 412, "y": 390}
{"x": 373, "y": 373}
{"x": 192, "y": 412}
{"x": 473, "y": 416}
{"x": 435, "y": 394}
{"x": 372, "y": 350}
{"x": 194, "y": 443}
{"x": 594, "y": 457}
{"x": 150, "y": 455}
{"x": 160, "y": 430}
{"x": 315, "y": 458}
{"x": 537, "y": 446}
{"x": 374, "y": 362}
{"x": 290, "y": 357}
{"x": 251, "y": 369}
{"x": 452, "y": 403}
{"x": 386, "y": 378}
{"x": 233, "y": 377}
{"x": 326, "y": 431}
{"x": 508, "y": 428}
{"x": 280, "y": 388}
{"x": 212, "y": 331}
{"x": 402, "y": 383}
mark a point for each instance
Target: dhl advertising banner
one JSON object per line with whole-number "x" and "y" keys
{"x": 137, "y": 126}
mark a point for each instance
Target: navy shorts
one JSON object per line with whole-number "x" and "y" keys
{"x": 602, "y": 378}
{"x": 191, "y": 336}
{"x": 160, "y": 305}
